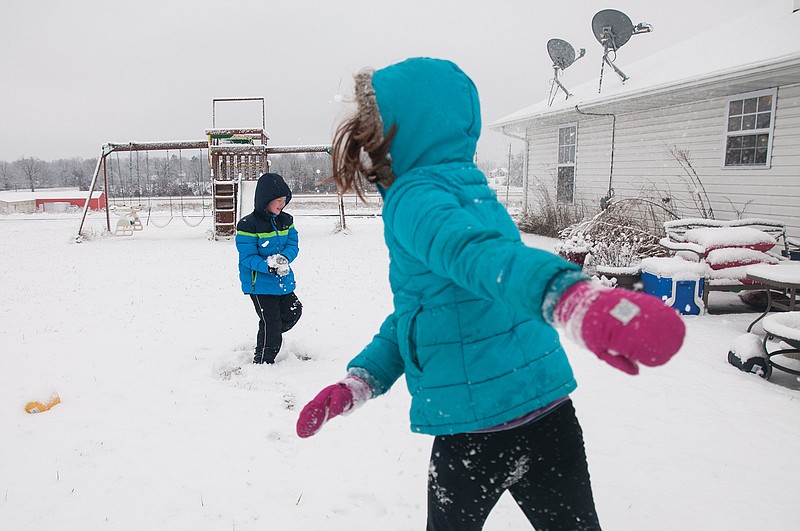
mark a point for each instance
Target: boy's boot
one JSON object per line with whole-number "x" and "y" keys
{"x": 258, "y": 354}
{"x": 269, "y": 355}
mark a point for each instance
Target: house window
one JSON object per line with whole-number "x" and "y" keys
{"x": 565, "y": 185}
{"x": 748, "y": 132}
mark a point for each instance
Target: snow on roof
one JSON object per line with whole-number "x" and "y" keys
{"x": 769, "y": 35}
{"x": 49, "y": 193}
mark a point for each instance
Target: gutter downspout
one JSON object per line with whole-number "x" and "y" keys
{"x": 524, "y": 139}
{"x": 604, "y": 201}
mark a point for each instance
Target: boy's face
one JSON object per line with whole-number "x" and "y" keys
{"x": 275, "y": 206}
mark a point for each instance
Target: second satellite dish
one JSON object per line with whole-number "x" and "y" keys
{"x": 613, "y": 29}
{"x": 563, "y": 55}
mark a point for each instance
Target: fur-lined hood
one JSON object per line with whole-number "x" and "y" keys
{"x": 435, "y": 106}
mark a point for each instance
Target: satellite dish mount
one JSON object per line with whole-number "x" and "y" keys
{"x": 563, "y": 55}
{"x": 613, "y": 29}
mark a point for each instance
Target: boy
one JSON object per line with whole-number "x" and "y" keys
{"x": 267, "y": 242}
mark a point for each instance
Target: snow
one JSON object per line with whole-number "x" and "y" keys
{"x": 784, "y": 325}
{"x": 614, "y": 270}
{"x": 674, "y": 268}
{"x": 747, "y": 346}
{"x": 785, "y": 272}
{"x": 735, "y": 256}
{"x": 163, "y": 423}
{"x": 711, "y": 238}
{"x": 704, "y": 222}
{"x": 729, "y": 275}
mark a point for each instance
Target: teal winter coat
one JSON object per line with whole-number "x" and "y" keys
{"x": 467, "y": 328}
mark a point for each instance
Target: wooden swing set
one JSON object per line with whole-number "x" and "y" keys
{"x": 237, "y": 157}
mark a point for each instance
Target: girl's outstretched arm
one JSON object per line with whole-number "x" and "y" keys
{"x": 340, "y": 398}
{"x": 370, "y": 374}
{"x": 478, "y": 248}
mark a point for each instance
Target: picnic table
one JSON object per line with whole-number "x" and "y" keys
{"x": 785, "y": 326}
{"x": 783, "y": 277}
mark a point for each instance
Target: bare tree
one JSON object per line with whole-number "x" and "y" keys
{"x": 6, "y": 175}
{"x": 32, "y": 170}
{"x": 694, "y": 186}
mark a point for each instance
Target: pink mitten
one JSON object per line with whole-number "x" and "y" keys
{"x": 621, "y": 327}
{"x": 337, "y": 399}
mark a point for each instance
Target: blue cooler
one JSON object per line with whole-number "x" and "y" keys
{"x": 685, "y": 294}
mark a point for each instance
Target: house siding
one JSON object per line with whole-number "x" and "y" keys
{"x": 643, "y": 162}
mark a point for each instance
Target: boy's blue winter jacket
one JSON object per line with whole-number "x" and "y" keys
{"x": 467, "y": 328}
{"x": 260, "y": 234}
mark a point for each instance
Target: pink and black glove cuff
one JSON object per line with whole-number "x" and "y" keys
{"x": 621, "y": 327}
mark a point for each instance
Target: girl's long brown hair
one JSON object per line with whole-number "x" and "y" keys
{"x": 360, "y": 151}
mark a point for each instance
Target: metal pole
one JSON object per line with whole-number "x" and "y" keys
{"x": 525, "y": 178}
{"x": 105, "y": 187}
{"x": 508, "y": 174}
{"x": 342, "y": 222}
{"x": 524, "y": 167}
{"x": 91, "y": 190}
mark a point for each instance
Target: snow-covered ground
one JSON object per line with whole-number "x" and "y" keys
{"x": 141, "y": 336}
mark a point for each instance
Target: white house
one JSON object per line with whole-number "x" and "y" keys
{"x": 728, "y": 99}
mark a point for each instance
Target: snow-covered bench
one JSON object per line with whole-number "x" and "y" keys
{"x": 727, "y": 248}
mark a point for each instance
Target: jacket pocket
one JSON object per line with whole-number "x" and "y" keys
{"x": 407, "y": 326}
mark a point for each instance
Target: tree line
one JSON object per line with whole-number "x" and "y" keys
{"x": 135, "y": 174}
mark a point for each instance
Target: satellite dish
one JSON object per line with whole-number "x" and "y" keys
{"x": 613, "y": 29}
{"x": 563, "y": 55}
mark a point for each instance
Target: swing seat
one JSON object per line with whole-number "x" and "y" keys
{"x": 128, "y": 222}
{"x": 124, "y": 227}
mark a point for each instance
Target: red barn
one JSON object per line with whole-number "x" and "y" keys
{"x": 50, "y": 200}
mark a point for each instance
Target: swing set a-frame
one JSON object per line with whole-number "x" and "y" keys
{"x": 237, "y": 157}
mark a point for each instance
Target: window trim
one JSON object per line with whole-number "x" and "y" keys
{"x": 572, "y": 165}
{"x": 769, "y": 131}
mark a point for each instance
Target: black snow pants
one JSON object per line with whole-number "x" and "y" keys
{"x": 276, "y": 315}
{"x": 542, "y": 464}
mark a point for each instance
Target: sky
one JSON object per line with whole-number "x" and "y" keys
{"x": 158, "y": 429}
{"x": 78, "y": 74}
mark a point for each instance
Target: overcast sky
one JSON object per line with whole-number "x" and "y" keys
{"x": 77, "y": 74}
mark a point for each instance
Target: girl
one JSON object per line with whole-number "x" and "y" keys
{"x": 267, "y": 242}
{"x": 476, "y": 312}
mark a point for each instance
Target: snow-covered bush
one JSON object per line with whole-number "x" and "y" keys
{"x": 619, "y": 236}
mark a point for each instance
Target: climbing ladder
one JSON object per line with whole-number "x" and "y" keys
{"x": 234, "y": 155}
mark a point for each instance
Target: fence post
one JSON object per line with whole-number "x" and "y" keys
{"x": 342, "y": 222}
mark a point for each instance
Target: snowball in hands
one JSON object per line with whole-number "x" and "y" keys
{"x": 621, "y": 327}
{"x": 278, "y": 264}
{"x": 340, "y": 398}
